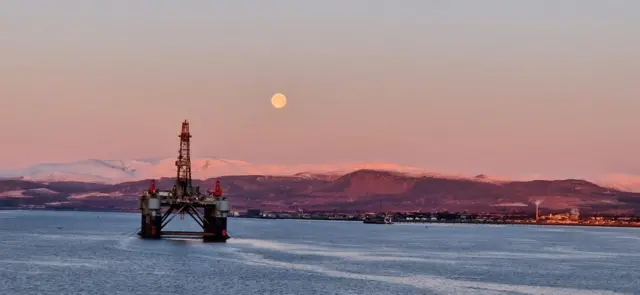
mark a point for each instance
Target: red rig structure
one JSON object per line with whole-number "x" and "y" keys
{"x": 158, "y": 208}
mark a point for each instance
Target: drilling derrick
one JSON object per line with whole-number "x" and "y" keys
{"x": 209, "y": 210}
{"x": 183, "y": 164}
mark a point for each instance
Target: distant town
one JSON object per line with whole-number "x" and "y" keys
{"x": 569, "y": 218}
{"x": 572, "y": 217}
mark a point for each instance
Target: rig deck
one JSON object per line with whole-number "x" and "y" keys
{"x": 209, "y": 210}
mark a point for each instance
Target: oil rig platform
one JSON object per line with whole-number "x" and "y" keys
{"x": 209, "y": 210}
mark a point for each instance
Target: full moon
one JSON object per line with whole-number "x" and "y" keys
{"x": 278, "y": 100}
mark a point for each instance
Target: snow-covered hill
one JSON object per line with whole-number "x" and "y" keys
{"x": 114, "y": 171}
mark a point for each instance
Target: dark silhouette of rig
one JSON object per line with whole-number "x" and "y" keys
{"x": 209, "y": 210}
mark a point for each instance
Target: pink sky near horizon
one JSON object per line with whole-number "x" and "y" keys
{"x": 502, "y": 88}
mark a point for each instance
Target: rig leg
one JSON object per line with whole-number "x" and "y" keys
{"x": 151, "y": 223}
{"x": 214, "y": 225}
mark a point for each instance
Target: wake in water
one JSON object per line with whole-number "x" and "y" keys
{"x": 335, "y": 252}
{"x": 432, "y": 283}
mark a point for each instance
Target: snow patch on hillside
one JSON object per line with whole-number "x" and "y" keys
{"x": 623, "y": 182}
{"x": 95, "y": 194}
{"x": 43, "y": 191}
{"x": 27, "y": 193}
{"x": 14, "y": 194}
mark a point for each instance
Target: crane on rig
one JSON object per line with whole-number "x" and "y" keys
{"x": 209, "y": 211}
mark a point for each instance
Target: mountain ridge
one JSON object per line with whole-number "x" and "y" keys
{"x": 359, "y": 190}
{"x": 115, "y": 171}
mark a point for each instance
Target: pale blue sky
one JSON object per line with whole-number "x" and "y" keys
{"x": 499, "y": 87}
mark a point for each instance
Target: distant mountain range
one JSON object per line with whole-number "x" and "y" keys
{"x": 114, "y": 184}
{"x": 116, "y": 171}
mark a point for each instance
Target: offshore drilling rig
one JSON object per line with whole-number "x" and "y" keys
{"x": 158, "y": 207}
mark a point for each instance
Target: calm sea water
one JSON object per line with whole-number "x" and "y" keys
{"x": 94, "y": 253}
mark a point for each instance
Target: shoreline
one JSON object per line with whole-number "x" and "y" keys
{"x": 528, "y": 223}
{"x": 514, "y": 222}
{"x": 626, "y": 225}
